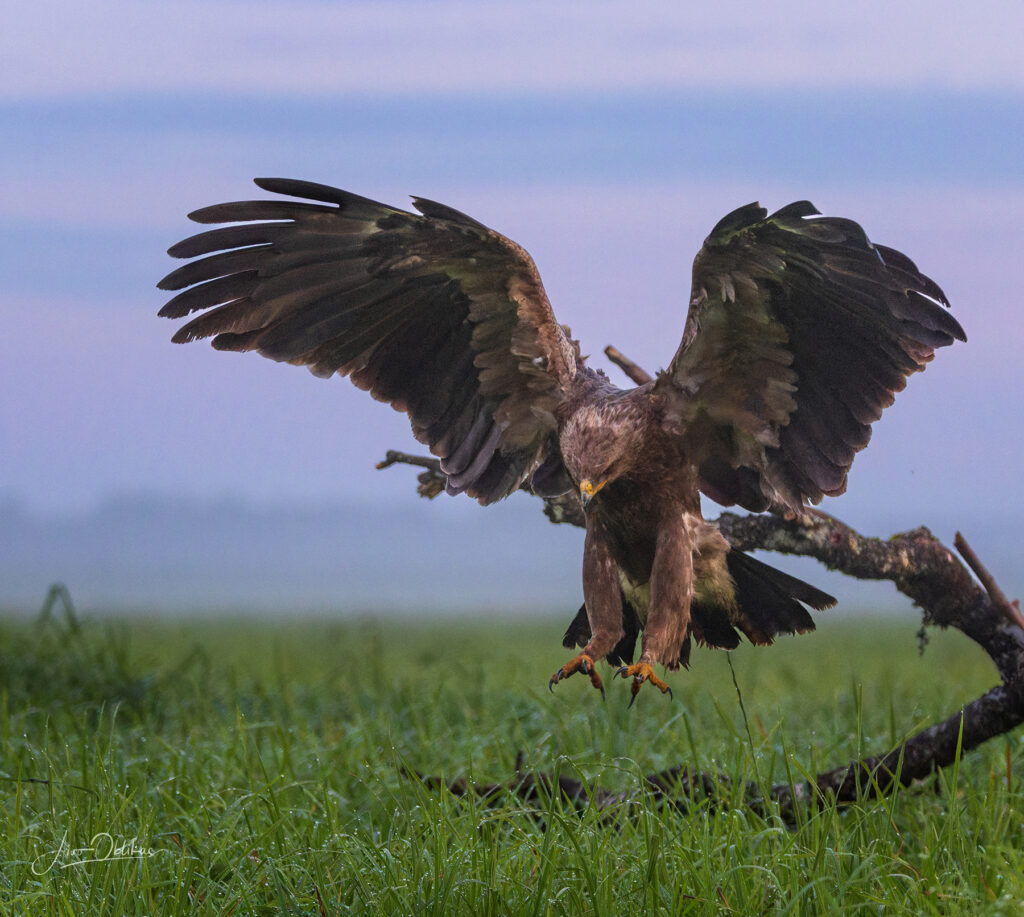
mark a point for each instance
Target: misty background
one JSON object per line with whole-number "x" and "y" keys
{"x": 607, "y": 139}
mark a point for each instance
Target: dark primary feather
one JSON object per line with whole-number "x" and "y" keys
{"x": 435, "y": 313}
{"x": 799, "y": 334}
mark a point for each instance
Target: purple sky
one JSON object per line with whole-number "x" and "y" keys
{"x": 121, "y": 117}
{"x": 504, "y": 46}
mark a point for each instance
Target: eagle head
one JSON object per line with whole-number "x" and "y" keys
{"x": 600, "y": 443}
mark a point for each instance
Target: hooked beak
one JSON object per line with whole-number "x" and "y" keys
{"x": 588, "y": 491}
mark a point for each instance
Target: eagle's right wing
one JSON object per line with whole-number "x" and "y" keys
{"x": 436, "y": 314}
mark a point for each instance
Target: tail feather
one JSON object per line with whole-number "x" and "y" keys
{"x": 769, "y": 600}
{"x": 711, "y": 626}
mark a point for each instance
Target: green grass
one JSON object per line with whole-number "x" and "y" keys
{"x": 255, "y": 768}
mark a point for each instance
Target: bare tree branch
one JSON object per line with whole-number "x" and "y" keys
{"x": 918, "y": 564}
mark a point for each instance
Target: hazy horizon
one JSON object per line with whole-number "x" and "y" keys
{"x": 153, "y": 554}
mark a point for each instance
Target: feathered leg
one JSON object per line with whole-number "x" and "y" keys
{"x": 603, "y": 597}
{"x": 668, "y": 619}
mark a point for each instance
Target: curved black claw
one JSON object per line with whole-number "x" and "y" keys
{"x": 640, "y": 673}
{"x": 581, "y": 663}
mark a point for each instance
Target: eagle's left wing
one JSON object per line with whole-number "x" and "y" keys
{"x": 800, "y": 332}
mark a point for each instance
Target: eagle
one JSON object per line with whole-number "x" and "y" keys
{"x": 798, "y": 334}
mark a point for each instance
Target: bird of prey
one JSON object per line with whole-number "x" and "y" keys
{"x": 799, "y": 332}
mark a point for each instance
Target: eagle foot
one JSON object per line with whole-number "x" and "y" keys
{"x": 641, "y": 672}
{"x": 581, "y": 663}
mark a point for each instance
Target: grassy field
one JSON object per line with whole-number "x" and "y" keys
{"x": 247, "y": 767}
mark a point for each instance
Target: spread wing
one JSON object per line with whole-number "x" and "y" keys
{"x": 799, "y": 334}
{"x": 436, "y": 314}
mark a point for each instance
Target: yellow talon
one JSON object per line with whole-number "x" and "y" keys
{"x": 641, "y": 672}
{"x": 582, "y": 663}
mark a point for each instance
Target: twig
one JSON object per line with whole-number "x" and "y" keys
{"x": 42, "y": 781}
{"x": 999, "y": 599}
{"x": 431, "y": 481}
{"x": 637, "y": 373}
{"x": 393, "y": 457}
{"x": 58, "y": 592}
